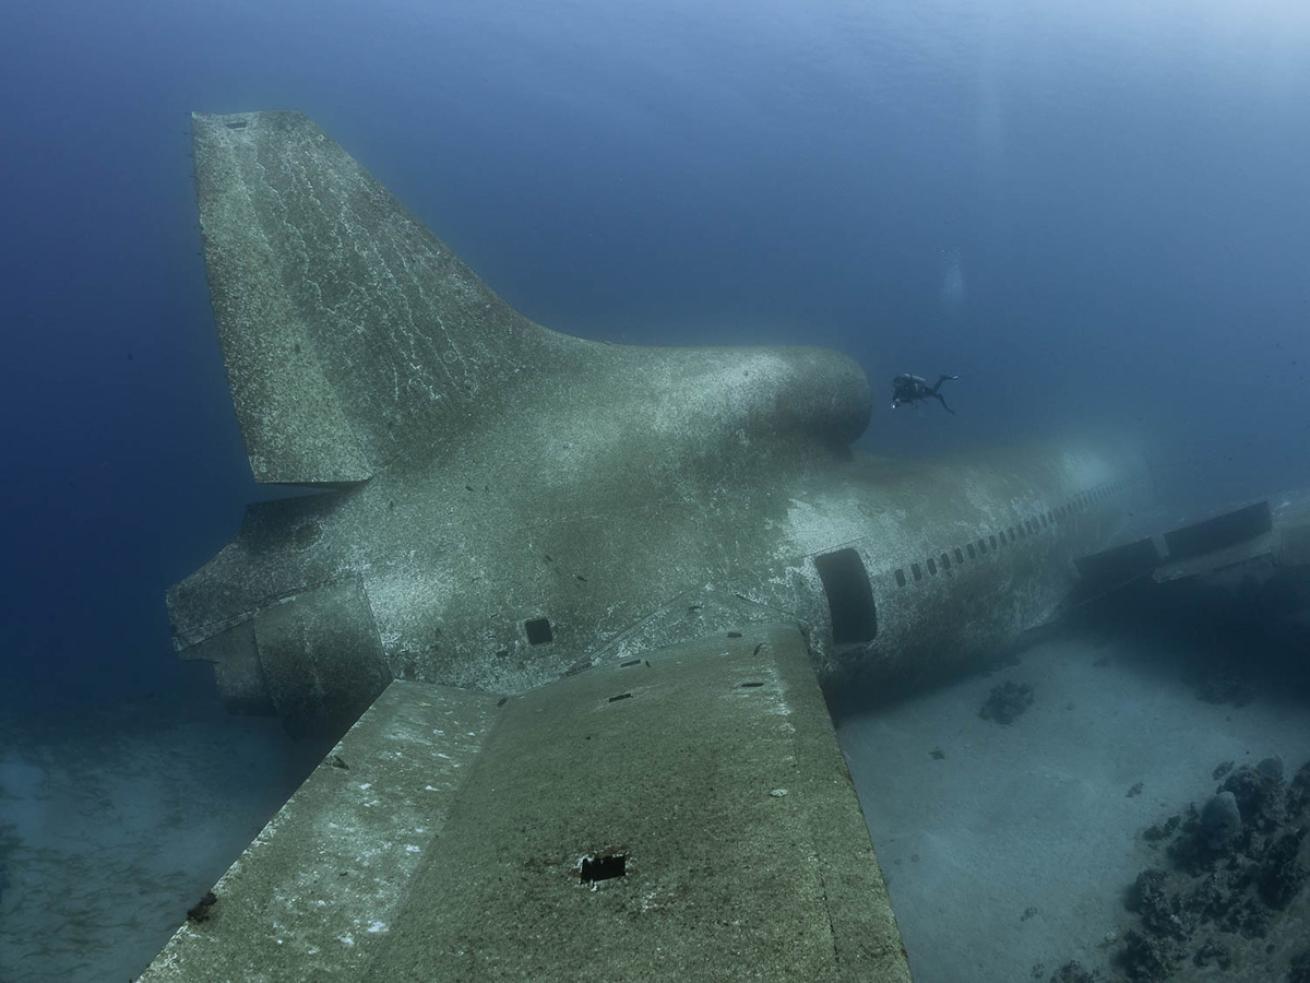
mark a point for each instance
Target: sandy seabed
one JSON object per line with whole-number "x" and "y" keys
{"x": 1009, "y": 849}
{"x": 114, "y": 821}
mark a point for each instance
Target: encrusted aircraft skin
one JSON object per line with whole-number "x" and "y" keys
{"x": 448, "y": 836}
{"x": 502, "y": 504}
{"x": 500, "y": 508}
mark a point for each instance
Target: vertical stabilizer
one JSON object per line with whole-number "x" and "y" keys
{"x": 349, "y": 331}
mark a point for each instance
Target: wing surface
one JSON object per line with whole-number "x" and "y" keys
{"x": 684, "y": 815}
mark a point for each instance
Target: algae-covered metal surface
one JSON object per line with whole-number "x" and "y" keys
{"x": 313, "y": 895}
{"x": 508, "y": 524}
{"x": 685, "y": 815}
{"x": 503, "y": 502}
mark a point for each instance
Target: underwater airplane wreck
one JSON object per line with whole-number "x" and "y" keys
{"x": 572, "y": 609}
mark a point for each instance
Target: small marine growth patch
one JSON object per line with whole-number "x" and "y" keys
{"x": 199, "y": 912}
{"x": 1006, "y": 702}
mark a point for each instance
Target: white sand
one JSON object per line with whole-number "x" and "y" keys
{"x": 1036, "y": 815}
{"x": 114, "y": 821}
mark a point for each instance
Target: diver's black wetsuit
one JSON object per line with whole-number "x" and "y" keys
{"x": 912, "y": 388}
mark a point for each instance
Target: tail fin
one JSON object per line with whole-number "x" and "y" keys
{"x": 348, "y": 330}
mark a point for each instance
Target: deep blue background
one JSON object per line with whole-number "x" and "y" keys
{"x": 1126, "y": 193}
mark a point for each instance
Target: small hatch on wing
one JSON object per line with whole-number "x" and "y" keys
{"x": 602, "y": 868}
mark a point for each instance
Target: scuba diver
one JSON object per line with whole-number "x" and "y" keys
{"x": 912, "y": 388}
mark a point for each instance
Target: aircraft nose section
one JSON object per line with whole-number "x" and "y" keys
{"x": 313, "y": 657}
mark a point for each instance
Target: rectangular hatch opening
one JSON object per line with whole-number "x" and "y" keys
{"x": 539, "y": 631}
{"x": 850, "y": 598}
{"x": 602, "y": 868}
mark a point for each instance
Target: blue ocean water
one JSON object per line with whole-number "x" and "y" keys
{"x": 1096, "y": 214}
{"x": 1092, "y": 214}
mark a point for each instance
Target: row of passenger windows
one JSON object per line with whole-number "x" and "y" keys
{"x": 992, "y": 542}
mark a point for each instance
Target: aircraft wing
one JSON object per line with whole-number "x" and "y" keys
{"x": 686, "y": 814}
{"x": 1252, "y": 539}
